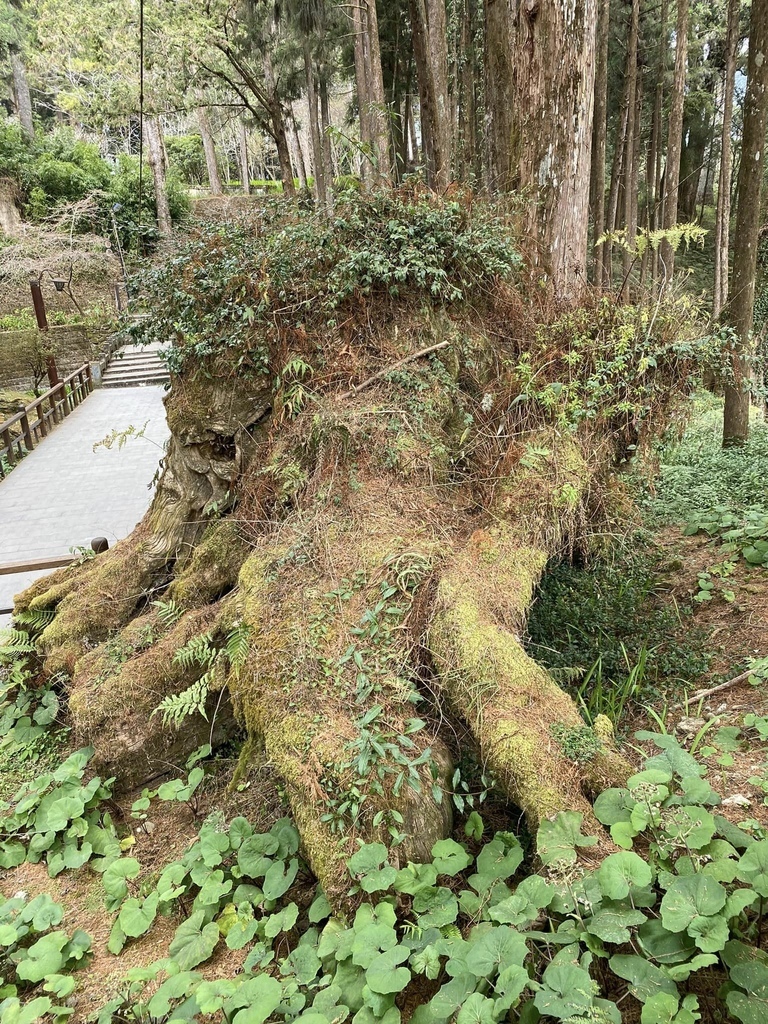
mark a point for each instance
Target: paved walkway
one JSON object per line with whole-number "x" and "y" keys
{"x": 63, "y": 494}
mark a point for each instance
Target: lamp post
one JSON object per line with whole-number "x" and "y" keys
{"x": 61, "y": 284}
{"x": 42, "y": 323}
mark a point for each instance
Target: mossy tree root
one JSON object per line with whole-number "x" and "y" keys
{"x": 509, "y": 701}
{"x": 310, "y": 732}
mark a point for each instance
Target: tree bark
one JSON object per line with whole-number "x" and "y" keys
{"x": 361, "y": 84}
{"x": 430, "y": 50}
{"x": 698, "y": 132}
{"x": 723, "y": 215}
{"x": 154, "y": 139}
{"x": 325, "y": 136}
{"x": 378, "y": 121}
{"x": 742, "y": 302}
{"x": 245, "y": 169}
{"x": 630, "y": 163}
{"x": 298, "y": 153}
{"x": 655, "y": 200}
{"x": 209, "y": 149}
{"x": 21, "y": 95}
{"x": 675, "y": 138}
{"x": 554, "y": 78}
{"x": 499, "y": 95}
{"x": 599, "y": 135}
{"x": 314, "y": 125}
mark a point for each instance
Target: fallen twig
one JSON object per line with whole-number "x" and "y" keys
{"x": 394, "y": 366}
{"x": 742, "y": 677}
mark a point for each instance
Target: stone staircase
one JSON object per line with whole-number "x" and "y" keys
{"x": 134, "y": 367}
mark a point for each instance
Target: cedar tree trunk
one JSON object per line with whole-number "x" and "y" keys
{"x": 742, "y": 301}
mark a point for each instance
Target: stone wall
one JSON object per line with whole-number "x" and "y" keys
{"x": 23, "y": 354}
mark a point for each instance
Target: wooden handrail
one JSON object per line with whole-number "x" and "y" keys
{"x": 62, "y": 399}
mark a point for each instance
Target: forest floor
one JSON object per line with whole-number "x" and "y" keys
{"x": 716, "y": 638}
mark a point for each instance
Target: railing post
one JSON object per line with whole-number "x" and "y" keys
{"x": 41, "y": 416}
{"x": 8, "y": 445}
{"x": 28, "y": 441}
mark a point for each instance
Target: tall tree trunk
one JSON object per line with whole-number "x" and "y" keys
{"x": 467, "y": 110}
{"x": 209, "y": 149}
{"x": 554, "y": 78}
{"x": 617, "y": 167}
{"x": 245, "y": 170}
{"x": 742, "y": 303}
{"x": 599, "y": 134}
{"x": 21, "y": 96}
{"x": 412, "y": 136}
{"x": 430, "y": 50}
{"x": 655, "y": 200}
{"x": 675, "y": 138}
{"x": 314, "y": 126}
{"x": 361, "y": 83}
{"x": 298, "y": 152}
{"x": 325, "y": 138}
{"x": 630, "y": 165}
{"x": 723, "y": 216}
{"x": 378, "y": 120}
{"x": 499, "y": 94}
{"x": 154, "y": 137}
{"x": 283, "y": 152}
{"x": 696, "y": 133}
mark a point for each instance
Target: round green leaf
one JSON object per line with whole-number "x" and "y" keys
{"x": 620, "y": 872}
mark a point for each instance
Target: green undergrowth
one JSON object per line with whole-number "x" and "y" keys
{"x": 606, "y": 634}
{"x": 489, "y": 930}
{"x": 226, "y": 287}
{"x": 698, "y": 475}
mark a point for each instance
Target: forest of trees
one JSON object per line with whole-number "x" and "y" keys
{"x": 619, "y": 124}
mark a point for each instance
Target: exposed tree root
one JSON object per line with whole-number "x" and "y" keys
{"x": 509, "y": 701}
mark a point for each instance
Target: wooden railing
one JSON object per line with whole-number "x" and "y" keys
{"x": 37, "y": 419}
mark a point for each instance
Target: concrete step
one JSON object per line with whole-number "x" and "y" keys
{"x": 135, "y": 367}
{"x": 154, "y": 382}
{"x": 129, "y": 379}
{"x": 121, "y": 371}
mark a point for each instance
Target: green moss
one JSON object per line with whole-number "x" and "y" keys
{"x": 213, "y": 567}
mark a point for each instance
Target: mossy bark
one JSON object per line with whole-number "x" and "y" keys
{"x": 510, "y": 702}
{"x": 353, "y": 580}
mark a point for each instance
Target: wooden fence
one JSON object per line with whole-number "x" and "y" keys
{"x": 37, "y": 419}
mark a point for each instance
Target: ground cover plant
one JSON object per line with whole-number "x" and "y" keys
{"x": 667, "y": 928}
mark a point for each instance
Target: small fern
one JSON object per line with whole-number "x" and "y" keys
{"x": 14, "y": 642}
{"x": 199, "y": 650}
{"x": 168, "y": 612}
{"x": 238, "y": 645}
{"x": 179, "y": 706}
{"x": 35, "y": 619}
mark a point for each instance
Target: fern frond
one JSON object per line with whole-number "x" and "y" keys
{"x": 196, "y": 651}
{"x": 179, "y": 706}
{"x": 567, "y": 674}
{"x": 15, "y": 641}
{"x": 168, "y": 612}
{"x": 37, "y": 619}
{"x": 238, "y": 645}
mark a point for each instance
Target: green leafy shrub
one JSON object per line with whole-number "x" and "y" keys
{"x": 226, "y": 280}
{"x": 57, "y": 817}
